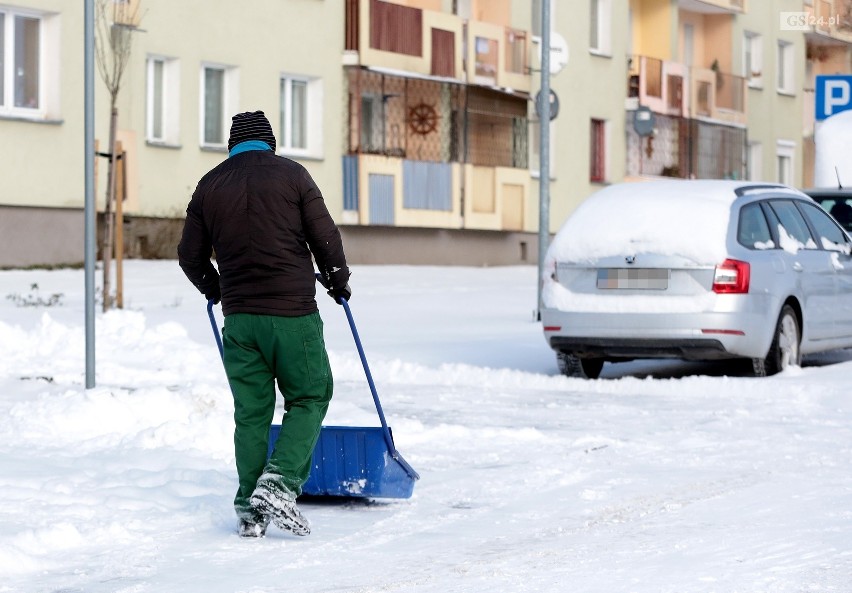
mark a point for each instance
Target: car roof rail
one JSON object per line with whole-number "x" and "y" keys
{"x": 745, "y": 189}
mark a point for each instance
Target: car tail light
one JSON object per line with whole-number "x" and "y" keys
{"x": 731, "y": 277}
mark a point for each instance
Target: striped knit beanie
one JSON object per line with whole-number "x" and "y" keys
{"x": 251, "y": 126}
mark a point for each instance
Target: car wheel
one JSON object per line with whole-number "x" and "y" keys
{"x": 582, "y": 368}
{"x": 784, "y": 351}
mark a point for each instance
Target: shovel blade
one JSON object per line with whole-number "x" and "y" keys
{"x": 354, "y": 462}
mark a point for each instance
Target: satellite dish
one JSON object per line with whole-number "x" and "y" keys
{"x": 558, "y": 52}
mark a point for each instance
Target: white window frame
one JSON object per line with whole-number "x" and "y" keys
{"x": 230, "y": 100}
{"x": 48, "y": 65}
{"x": 313, "y": 121}
{"x": 785, "y": 68}
{"x": 169, "y": 98}
{"x": 603, "y": 47}
{"x": 754, "y": 161}
{"x": 785, "y": 150}
{"x": 753, "y": 59}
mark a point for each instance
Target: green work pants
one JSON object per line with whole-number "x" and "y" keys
{"x": 258, "y": 350}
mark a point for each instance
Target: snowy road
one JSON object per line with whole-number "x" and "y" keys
{"x": 530, "y": 481}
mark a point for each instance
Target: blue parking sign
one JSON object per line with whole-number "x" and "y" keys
{"x": 833, "y": 95}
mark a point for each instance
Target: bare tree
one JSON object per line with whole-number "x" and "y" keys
{"x": 116, "y": 21}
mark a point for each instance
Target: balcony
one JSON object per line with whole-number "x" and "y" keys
{"x": 384, "y": 35}
{"x": 433, "y": 153}
{"x": 671, "y": 88}
{"x": 830, "y": 21}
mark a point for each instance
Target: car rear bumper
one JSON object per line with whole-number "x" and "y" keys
{"x": 691, "y": 336}
{"x": 630, "y": 348}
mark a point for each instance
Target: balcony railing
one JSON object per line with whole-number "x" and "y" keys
{"x": 436, "y": 121}
{"x": 380, "y": 33}
{"x": 672, "y": 88}
{"x": 687, "y": 148}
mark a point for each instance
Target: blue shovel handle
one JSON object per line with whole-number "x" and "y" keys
{"x": 212, "y": 317}
{"x": 388, "y": 439}
{"x": 385, "y": 430}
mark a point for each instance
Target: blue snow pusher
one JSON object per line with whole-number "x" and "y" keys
{"x": 349, "y": 461}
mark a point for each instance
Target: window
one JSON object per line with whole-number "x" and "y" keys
{"x": 753, "y": 59}
{"x": 162, "y": 117}
{"x": 294, "y": 97}
{"x": 793, "y": 224}
{"x": 786, "y": 63}
{"x": 300, "y": 111}
{"x": 754, "y": 161}
{"x": 599, "y": 27}
{"x": 830, "y": 235}
{"x": 597, "y": 156}
{"x": 753, "y": 231}
{"x": 21, "y": 71}
{"x": 371, "y": 124}
{"x": 486, "y": 60}
{"x": 784, "y": 151}
{"x": 218, "y": 101}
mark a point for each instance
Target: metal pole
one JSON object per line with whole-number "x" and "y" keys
{"x": 544, "y": 150}
{"x": 89, "y": 210}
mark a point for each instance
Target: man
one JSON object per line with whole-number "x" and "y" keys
{"x": 264, "y": 218}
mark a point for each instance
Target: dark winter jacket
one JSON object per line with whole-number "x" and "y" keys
{"x": 264, "y": 216}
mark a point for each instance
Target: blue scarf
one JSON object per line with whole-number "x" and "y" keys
{"x": 248, "y": 145}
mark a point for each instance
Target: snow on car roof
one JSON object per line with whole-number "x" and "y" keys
{"x": 687, "y": 218}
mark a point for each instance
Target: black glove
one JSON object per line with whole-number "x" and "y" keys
{"x": 213, "y": 292}
{"x": 344, "y": 293}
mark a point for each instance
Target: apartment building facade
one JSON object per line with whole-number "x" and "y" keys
{"x": 193, "y": 64}
{"x": 415, "y": 117}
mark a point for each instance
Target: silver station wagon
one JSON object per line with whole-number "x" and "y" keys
{"x": 696, "y": 270}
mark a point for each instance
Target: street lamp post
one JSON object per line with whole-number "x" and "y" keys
{"x": 89, "y": 209}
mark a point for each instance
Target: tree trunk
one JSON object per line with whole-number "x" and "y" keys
{"x": 109, "y": 221}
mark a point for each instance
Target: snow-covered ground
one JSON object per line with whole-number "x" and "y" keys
{"x": 660, "y": 478}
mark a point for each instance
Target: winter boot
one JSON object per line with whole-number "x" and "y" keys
{"x": 273, "y": 499}
{"x": 253, "y": 526}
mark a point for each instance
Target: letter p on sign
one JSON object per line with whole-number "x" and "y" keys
{"x": 833, "y": 95}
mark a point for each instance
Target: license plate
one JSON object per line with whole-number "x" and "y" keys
{"x": 633, "y": 278}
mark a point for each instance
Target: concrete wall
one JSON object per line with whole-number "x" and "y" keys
{"x": 40, "y": 237}
{"x": 59, "y": 241}
{"x": 390, "y": 245}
